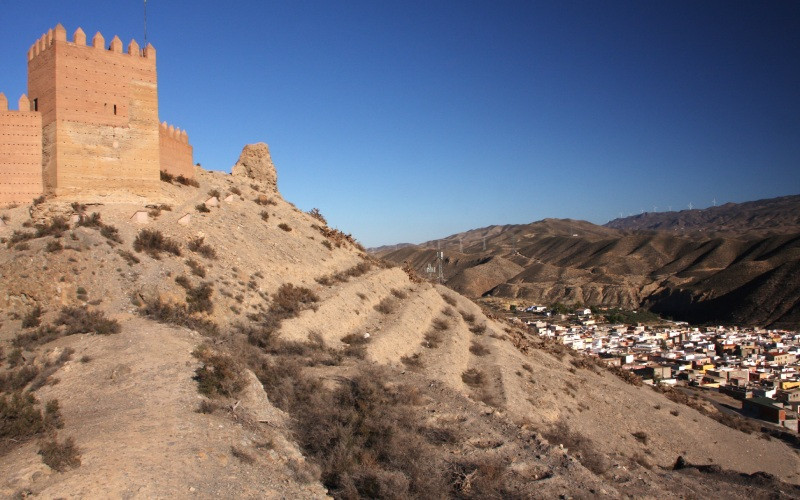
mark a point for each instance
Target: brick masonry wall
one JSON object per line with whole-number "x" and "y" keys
{"x": 103, "y": 104}
{"x": 175, "y": 152}
{"x": 20, "y": 155}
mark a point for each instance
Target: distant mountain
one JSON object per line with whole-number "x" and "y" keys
{"x": 774, "y": 215}
{"x": 740, "y": 276}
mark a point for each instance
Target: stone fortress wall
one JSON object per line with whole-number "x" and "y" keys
{"x": 20, "y": 152}
{"x": 175, "y": 151}
{"x": 99, "y": 124}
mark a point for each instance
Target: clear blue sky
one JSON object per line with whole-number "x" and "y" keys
{"x": 411, "y": 120}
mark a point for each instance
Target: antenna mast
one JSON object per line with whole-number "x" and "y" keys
{"x": 145, "y": 23}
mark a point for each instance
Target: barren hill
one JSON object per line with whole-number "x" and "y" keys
{"x": 252, "y": 351}
{"x": 773, "y": 215}
{"x": 700, "y": 277}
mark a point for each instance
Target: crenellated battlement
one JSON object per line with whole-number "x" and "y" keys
{"x": 172, "y": 132}
{"x": 59, "y": 35}
{"x": 23, "y": 105}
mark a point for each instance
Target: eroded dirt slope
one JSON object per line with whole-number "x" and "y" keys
{"x": 496, "y": 412}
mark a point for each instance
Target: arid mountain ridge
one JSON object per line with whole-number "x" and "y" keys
{"x": 678, "y": 264}
{"x": 259, "y": 353}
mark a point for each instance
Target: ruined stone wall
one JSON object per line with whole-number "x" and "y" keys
{"x": 175, "y": 151}
{"x": 20, "y": 153}
{"x": 99, "y": 108}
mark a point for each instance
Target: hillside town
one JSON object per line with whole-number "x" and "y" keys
{"x": 758, "y": 367}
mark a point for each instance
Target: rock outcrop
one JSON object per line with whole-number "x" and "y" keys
{"x": 255, "y": 163}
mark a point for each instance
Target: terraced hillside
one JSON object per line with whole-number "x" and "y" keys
{"x": 252, "y": 351}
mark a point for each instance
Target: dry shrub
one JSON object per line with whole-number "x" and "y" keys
{"x": 53, "y": 246}
{"x": 344, "y": 276}
{"x": 55, "y": 228}
{"x": 586, "y": 362}
{"x": 315, "y": 213}
{"x": 152, "y": 242}
{"x": 208, "y": 406}
{"x": 166, "y": 177}
{"x": 129, "y": 257}
{"x": 202, "y": 208}
{"x": 196, "y": 267}
{"x": 41, "y": 335}
{"x": 219, "y": 374}
{"x": 364, "y": 437}
{"x": 197, "y": 245}
{"x": 235, "y": 190}
{"x": 473, "y": 377}
{"x": 467, "y": 317}
{"x": 21, "y": 418}
{"x": 214, "y": 193}
{"x": 385, "y": 306}
{"x": 82, "y": 320}
{"x": 414, "y": 362}
{"x": 289, "y": 300}
{"x": 478, "y": 329}
{"x": 93, "y": 221}
{"x": 264, "y": 200}
{"x": 448, "y": 298}
{"x": 413, "y": 276}
{"x": 642, "y": 437}
{"x": 337, "y": 237}
{"x": 433, "y": 339}
{"x": 285, "y": 227}
{"x": 187, "y": 181}
{"x": 440, "y": 435}
{"x": 198, "y": 298}
{"x": 440, "y": 324}
{"x": 16, "y": 380}
{"x": 479, "y": 479}
{"x": 60, "y": 456}
{"x": 242, "y": 455}
{"x": 400, "y": 294}
{"x": 356, "y": 339}
{"x": 264, "y": 215}
{"x": 579, "y": 446}
{"x": 164, "y": 312}
{"x": 326, "y": 280}
{"x": 478, "y": 349}
{"x": 626, "y": 375}
{"x": 33, "y": 318}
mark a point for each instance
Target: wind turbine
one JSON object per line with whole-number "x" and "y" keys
{"x": 690, "y": 205}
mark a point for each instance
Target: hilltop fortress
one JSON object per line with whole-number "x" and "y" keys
{"x": 89, "y": 123}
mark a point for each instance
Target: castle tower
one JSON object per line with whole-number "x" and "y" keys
{"x": 99, "y": 112}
